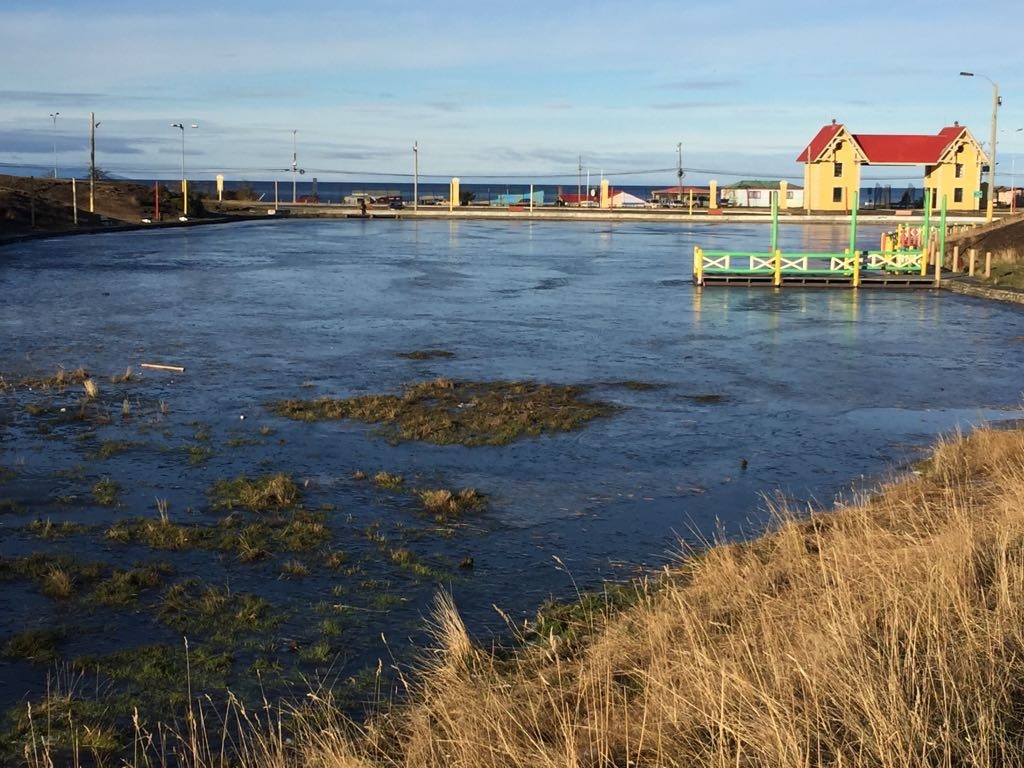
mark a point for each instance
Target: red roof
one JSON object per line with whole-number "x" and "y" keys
{"x": 890, "y": 148}
{"x": 819, "y": 142}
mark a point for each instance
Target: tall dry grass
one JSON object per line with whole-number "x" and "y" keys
{"x": 885, "y": 633}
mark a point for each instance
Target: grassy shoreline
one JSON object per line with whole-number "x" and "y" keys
{"x": 886, "y": 632}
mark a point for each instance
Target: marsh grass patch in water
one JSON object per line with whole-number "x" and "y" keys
{"x": 277, "y": 491}
{"x": 106, "y": 491}
{"x": 196, "y": 608}
{"x": 446, "y": 505}
{"x": 446, "y": 412}
{"x": 707, "y": 399}
{"x": 58, "y": 576}
{"x": 38, "y": 646}
{"x": 427, "y": 354}
{"x": 123, "y": 587}
{"x": 47, "y": 529}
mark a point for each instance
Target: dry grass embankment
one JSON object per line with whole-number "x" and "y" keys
{"x": 886, "y": 633}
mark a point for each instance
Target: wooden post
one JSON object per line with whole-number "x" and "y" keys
{"x": 778, "y": 267}
{"x": 698, "y": 264}
{"x": 988, "y": 263}
{"x": 956, "y": 258}
{"x": 972, "y": 256}
{"x": 856, "y": 269}
{"x": 938, "y": 270}
{"x": 74, "y": 202}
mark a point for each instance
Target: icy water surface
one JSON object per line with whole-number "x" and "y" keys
{"x": 814, "y": 389}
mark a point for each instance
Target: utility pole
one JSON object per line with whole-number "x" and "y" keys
{"x": 415, "y": 175}
{"x": 679, "y": 171}
{"x": 54, "y": 116}
{"x": 93, "y": 125}
{"x": 579, "y": 182}
{"x": 295, "y": 164}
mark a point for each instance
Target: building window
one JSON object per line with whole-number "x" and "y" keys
{"x": 958, "y": 194}
{"x": 837, "y": 194}
{"x": 837, "y": 170}
{"x": 754, "y": 194}
{"x": 959, "y": 170}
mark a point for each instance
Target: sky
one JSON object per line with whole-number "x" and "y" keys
{"x": 508, "y": 90}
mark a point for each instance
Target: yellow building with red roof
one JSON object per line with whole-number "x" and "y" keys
{"x": 952, "y": 161}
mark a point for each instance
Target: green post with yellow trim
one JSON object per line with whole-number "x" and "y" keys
{"x": 778, "y": 267}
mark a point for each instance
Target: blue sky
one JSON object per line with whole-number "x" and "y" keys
{"x": 494, "y": 89}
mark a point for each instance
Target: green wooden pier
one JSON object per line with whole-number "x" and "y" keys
{"x": 896, "y": 264}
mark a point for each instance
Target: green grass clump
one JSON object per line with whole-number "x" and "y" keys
{"x": 106, "y": 491}
{"x": 160, "y": 533}
{"x": 195, "y": 608}
{"x": 11, "y": 507}
{"x": 277, "y": 491}
{"x": 198, "y": 454}
{"x": 47, "y": 529}
{"x": 122, "y": 587}
{"x": 36, "y": 645}
{"x": 55, "y": 575}
{"x": 448, "y": 412}
{"x": 108, "y": 448}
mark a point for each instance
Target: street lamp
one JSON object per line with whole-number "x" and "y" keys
{"x": 184, "y": 184}
{"x": 53, "y": 116}
{"x": 996, "y": 101}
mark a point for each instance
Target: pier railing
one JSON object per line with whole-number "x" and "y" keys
{"x": 903, "y": 259}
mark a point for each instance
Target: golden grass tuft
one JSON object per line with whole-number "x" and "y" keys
{"x": 446, "y": 505}
{"x": 92, "y": 389}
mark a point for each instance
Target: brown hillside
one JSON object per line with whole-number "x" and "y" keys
{"x": 32, "y": 204}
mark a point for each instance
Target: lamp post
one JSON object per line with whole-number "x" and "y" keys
{"x": 996, "y": 101}
{"x": 295, "y": 163}
{"x": 184, "y": 184}
{"x": 53, "y": 117}
{"x": 415, "y": 176}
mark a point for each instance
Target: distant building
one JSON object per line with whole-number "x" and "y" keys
{"x": 582, "y": 200}
{"x": 952, "y": 161}
{"x": 757, "y": 193}
{"x": 676, "y": 196}
{"x": 519, "y": 199}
